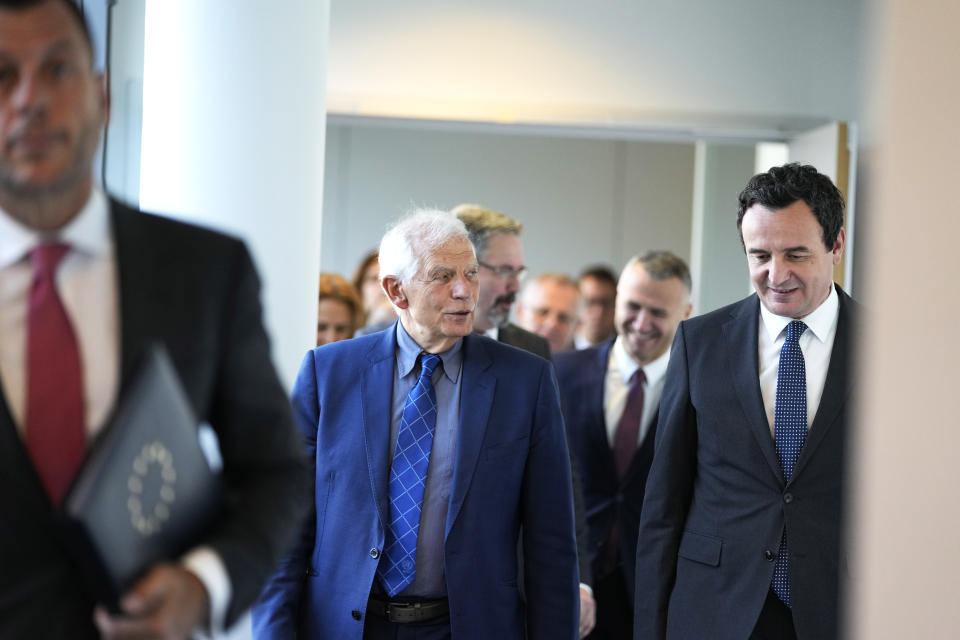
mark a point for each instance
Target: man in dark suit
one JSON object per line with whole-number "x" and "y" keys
{"x": 496, "y": 240}
{"x": 397, "y": 550}
{"x": 86, "y": 283}
{"x": 741, "y": 528}
{"x": 610, "y": 397}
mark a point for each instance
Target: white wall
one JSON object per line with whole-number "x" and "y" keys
{"x": 609, "y": 62}
{"x": 719, "y": 266}
{"x": 233, "y": 138}
{"x": 582, "y": 201}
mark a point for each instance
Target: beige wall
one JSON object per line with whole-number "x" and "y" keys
{"x": 907, "y": 531}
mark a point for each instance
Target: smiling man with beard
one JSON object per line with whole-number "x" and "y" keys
{"x": 611, "y": 395}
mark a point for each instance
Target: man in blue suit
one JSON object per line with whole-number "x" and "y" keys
{"x": 741, "y": 534}
{"x": 610, "y": 398}
{"x": 421, "y": 541}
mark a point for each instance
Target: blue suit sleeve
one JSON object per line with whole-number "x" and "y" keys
{"x": 549, "y": 543}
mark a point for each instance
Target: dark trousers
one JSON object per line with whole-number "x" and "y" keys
{"x": 614, "y": 608}
{"x": 375, "y": 628}
{"x": 775, "y": 621}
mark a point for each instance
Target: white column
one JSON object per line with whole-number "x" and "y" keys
{"x": 234, "y": 119}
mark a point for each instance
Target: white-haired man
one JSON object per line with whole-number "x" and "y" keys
{"x": 427, "y": 466}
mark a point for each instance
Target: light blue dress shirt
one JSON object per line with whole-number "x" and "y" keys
{"x": 429, "y": 581}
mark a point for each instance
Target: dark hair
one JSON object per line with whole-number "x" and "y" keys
{"x": 599, "y": 272}
{"x": 361, "y": 272}
{"x": 72, "y": 7}
{"x": 782, "y": 186}
{"x": 663, "y": 265}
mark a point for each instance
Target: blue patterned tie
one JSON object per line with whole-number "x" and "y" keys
{"x": 408, "y": 473}
{"x": 789, "y": 432}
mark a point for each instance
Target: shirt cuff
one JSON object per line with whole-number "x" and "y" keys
{"x": 586, "y": 587}
{"x": 204, "y": 563}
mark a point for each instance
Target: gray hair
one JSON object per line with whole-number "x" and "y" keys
{"x": 662, "y": 265}
{"x": 412, "y": 237}
{"x": 559, "y": 279}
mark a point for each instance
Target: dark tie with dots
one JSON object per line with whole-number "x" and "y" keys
{"x": 789, "y": 432}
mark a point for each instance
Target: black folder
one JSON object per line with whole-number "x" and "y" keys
{"x": 146, "y": 492}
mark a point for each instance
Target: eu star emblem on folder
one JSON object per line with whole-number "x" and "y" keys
{"x": 146, "y": 492}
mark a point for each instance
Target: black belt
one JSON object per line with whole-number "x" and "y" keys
{"x": 395, "y": 611}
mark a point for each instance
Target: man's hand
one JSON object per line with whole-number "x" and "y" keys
{"x": 588, "y": 612}
{"x": 169, "y": 603}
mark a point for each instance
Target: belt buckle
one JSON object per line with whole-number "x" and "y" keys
{"x": 403, "y": 612}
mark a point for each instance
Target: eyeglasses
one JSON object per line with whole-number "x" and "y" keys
{"x": 505, "y": 271}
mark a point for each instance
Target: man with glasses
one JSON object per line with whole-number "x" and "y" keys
{"x": 496, "y": 240}
{"x": 598, "y": 291}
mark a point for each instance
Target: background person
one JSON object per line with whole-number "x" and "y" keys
{"x": 598, "y": 292}
{"x": 547, "y": 306}
{"x": 339, "y": 311}
{"x": 611, "y": 396}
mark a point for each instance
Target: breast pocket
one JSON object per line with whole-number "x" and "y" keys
{"x": 507, "y": 450}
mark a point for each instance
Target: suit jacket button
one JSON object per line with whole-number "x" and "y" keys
{"x": 356, "y": 614}
{"x": 769, "y": 556}
{"x": 788, "y": 498}
{"x": 374, "y": 553}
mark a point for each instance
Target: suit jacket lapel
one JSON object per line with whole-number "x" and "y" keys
{"x": 836, "y": 388}
{"x": 376, "y": 377}
{"x": 597, "y": 416}
{"x": 18, "y": 477}
{"x": 740, "y": 336}
{"x": 476, "y": 397}
{"x": 137, "y": 301}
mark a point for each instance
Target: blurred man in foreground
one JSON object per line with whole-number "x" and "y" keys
{"x": 85, "y": 284}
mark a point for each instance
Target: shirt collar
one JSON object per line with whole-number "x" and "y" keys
{"x": 820, "y": 321}
{"x": 626, "y": 365}
{"x": 88, "y": 232}
{"x": 408, "y": 351}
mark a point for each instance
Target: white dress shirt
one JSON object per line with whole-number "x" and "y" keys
{"x": 620, "y": 368}
{"x": 816, "y": 343}
{"x": 87, "y": 283}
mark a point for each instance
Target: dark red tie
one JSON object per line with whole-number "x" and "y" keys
{"x": 55, "y": 408}
{"x": 628, "y": 429}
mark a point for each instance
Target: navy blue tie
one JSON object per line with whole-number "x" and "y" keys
{"x": 789, "y": 432}
{"x": 408, "y": 475}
